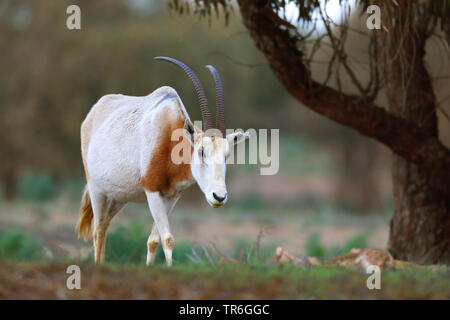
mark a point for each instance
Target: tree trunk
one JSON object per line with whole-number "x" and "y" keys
{"x": 420, "y": 227}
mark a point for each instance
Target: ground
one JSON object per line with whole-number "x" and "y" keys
{"x": 38, "y": 242}
{"x": 48, "y": 281}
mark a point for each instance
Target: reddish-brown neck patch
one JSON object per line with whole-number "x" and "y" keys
{"x": 163, "y": 174}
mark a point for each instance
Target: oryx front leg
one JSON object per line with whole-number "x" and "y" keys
{"x": 152, "y": 244}
{"x": 159, "y": 207}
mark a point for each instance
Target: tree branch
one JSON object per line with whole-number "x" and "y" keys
{"x": 279, "y": 45}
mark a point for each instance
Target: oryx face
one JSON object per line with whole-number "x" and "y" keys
{"x": 209, "y": 168}
{"x": 208, "y": 162}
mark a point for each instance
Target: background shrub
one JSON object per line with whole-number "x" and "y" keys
{"x": 16, "y": 244}
{"x": 36, "y": 186}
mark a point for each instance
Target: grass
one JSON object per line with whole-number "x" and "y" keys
{"x": 17, "y": 245}
{"x": 198, "y": 274}
{"x": 128, "y": 246}
{"x": 189, "y": 281}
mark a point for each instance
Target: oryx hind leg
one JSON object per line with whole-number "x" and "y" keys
{"x": 104, "y": 210}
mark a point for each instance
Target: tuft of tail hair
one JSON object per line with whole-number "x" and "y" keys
{"x": 84, "y": 224}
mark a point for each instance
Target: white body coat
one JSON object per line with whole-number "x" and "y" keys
{"x": 126, "y": 145}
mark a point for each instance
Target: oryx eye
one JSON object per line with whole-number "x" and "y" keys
{"x": 201, "y": 153}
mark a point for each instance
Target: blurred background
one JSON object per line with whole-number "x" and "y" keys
{"x": 333, "y": 189}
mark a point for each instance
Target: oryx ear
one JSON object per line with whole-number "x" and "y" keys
{"x": 236, "y": 137}
{"x": 189, "y": 130}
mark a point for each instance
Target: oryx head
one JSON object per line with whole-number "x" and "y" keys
{"x": 211, "y": 147}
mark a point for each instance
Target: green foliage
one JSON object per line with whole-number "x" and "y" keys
{"x": 306, "y": 8}
{"x": 17, "y": 245}
{"x": 421, "y": 10}
{"x": 127, "y": 245}
{"x": 34, "y": 186}
{"x": 315, "y": 248}
{"x": 252, "y": 252}
{"x": 358, "y": 241}
{"x": 203, "y": 8}
{"x": 206, "y": 8}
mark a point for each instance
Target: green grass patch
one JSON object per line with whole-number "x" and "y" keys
{"x": 17, "y": 245}
{"x": 128, "y": 245}
{"x": 315, "y": 248}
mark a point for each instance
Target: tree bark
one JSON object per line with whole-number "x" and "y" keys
{"x": 420, "y": 227}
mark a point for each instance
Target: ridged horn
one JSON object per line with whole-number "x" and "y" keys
{"x": 220, "y": 106}
{"x": 206, "y": 115}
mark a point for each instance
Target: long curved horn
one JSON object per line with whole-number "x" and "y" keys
{"x": 206, "y": 115}
{"x": 220, "y": 106}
